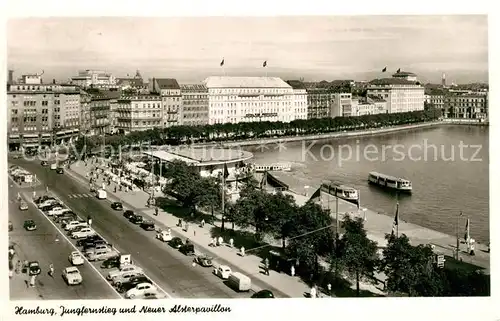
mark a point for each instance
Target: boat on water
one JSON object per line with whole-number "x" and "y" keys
{"x": 390, "y": 182}
{"x": 282, "y": 167}
{"x": 344, "y": 192}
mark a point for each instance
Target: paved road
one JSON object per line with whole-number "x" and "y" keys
{"x": 41, "y": 245}
{"x": 170, "y": 269}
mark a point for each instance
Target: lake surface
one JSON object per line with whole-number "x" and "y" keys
{"x": 448, "y": 166}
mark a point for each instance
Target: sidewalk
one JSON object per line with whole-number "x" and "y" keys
{"x": 250, "y": 264}
{"x": 18, "y": 284}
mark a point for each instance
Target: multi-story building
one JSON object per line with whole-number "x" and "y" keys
{"x": 341, "y": 105}
{"x": 465, "y": 106}
{"x": 249, "y": 99}
{"x": 318, "y": 100}
{"x": 85, "y": 119}
{"x": 94, "y": 78}
{"x": 138, "y": 112}
{"x": 194, "y": 104}
{"x": 380, "y": 104}
{"x": 402, "y": 92}
{"x": 100, "y": 110}
{"x": 41, "y": 114}
{"x": 299, "y": 98}
{"x": 135, "y": 83}
{"x": 171, "y": 100}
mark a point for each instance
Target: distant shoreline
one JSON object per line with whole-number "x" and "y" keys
{"x": 357, "y": 133}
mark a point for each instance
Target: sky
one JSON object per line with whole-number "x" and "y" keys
{"x": 314, "y": 48}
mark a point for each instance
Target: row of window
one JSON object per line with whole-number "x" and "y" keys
{"x": 250, "y": 91}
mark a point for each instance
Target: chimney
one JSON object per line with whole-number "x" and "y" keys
{"x": 11, "y": 77}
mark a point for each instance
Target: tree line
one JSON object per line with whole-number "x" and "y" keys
{"x": 308, "y": 235}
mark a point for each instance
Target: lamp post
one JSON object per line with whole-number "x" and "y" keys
{"x": 458, "y": 237}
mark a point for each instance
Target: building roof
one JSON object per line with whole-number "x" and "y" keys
{"x": 245, "y": 82}
{"x": 100, "y": 94}
{"x": 193, "y": 87}
{"x": 393, "y": 81}
{"x": 296, "y": 84}
{"x": 202, "y": 156}
{"x": 167, "y": 83}
{"x": 403, "y": 74}
{"x": 133, "y": 82}
{"x": 375, "y": 98}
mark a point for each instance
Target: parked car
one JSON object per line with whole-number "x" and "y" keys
{"x": 140, "y": 289}
{"x": 96, "y": 247}
{"x": 91, "y": 238}
{"x": 72, "y": 275}
{"x": 263, "y": 294}
{"x": 60, "y": 170}
{"x": 176, "y": 242}
{"x": 128, "y": 214}
{"x": 23, "y": 206}
{"x": 29, "y": 225}
{"x": 136, "y": 219}
{"x": 148, "y": 225}
{"x": 223, "y": 271}
{"x": 164, "y": 236}
{"x": 84, "y": 232}
{"x": 48, "y": 204}
{"x": 112, "y": 262}
{"x": 203, "y": 260}
{"x": 153, "y": 295}
{"x": 43, "y": 198}
{"x": 118, "y": 280}
{"x": 76, "y": 258}
{"x": 132, "y": 283}
{"x": 91, "y": 245}
{"x": 57, "y": 210}
{"x": 34, "y": 268}
{"x": 124, "y": 269}
{"x": 65, "y": 216}
{"x": 101, "y": 254}
{"x": 187, "y": 249}
{"x": 73, "y": 224}
{"x": 44, "y": 163}
{"x": 117, "y": 206}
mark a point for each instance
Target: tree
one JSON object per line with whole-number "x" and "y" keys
{"x": 410, "y": 269}
{"x": 281, "y": 213}
{"x": 250, "y": 210}
{"x": 358, "y": 254}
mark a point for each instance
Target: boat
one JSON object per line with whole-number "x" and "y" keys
{"x": 344, "y": 192}
{"x": 390, "y": 182}
{"x": 282, "y": 167}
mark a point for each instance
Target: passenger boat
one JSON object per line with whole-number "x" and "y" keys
{"x": 283, "y": 167}
{"x": 390, "y": 182}
{"x": 344, "y": 192}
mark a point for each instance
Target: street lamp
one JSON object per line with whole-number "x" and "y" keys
{"x": 458, "y": 237}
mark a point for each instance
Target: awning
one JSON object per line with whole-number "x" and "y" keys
{"x": 30, "y": 145}
{"x": 14, "y": 136}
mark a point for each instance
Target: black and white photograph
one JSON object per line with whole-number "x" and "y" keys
{"x": 245, "y": 157}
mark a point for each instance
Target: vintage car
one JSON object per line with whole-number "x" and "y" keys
{"x": 176, "y": 242}
{"x": 76, "y": 258}
{"x": 203, "y": 260}
{"x": 72, "y": 275}
{"x": 124, "y": 269}
{"x": 140, "y": 289}
{"x": 148, "y": 225}
{"x": 29, "y": 225}
{"x": 263, "y": 294}
{"x": 136, "y": 219}
{"x": 164, "y": 236}
{"x": 128, "y": 214}
{"x": 34, "y": 268}
{"x": 223, "y": 271}
{"x": 112, "y": 262}
{"x": 132, "y": 283}
{"x": 117, "y": 206}
{"x": 23, "y": 206}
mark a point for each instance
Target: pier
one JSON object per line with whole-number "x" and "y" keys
{"x": 376, "y": 224}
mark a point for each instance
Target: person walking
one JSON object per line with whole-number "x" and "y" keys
{"x": 156, "y": 211}
{"x": 202, "y": 223}
{"x": 292, "y": 270}
{"x": 32, "y": 281}
{"x": 266, "y": 266}
{"x": 51, "y": 270}
{"x": 312, "y": 292}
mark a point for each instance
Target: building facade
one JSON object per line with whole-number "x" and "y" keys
{"x": 94, "y": 78}
{"x": 299, "y": 98}
{"x": 400, "y": 94}
{"x": 465, "y": 106}
{"x": 249, "y": 99}
{"x": 100, "y": 110}
{"x": 341, "y": 105}
{"x": 41, "y": 114}
{"x": 171, "y": 100}
{"x": 318, "y": 100}
{"x": 194, "y": 104}
{"x": 138, "y": 113}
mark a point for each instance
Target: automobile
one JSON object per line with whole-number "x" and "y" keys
{"x": 203, "y": 260}
{"x": 153, "y": 295}
{"x": 65, "y": 215}
{"x": 128, "y": 214}
{"x": 73, "y": 224}
{"x": 84, "y": 232}
{"x": 140, "y": 289}
{"x": 118, "y": 280}
{"x": 223, "y": 271}
{"x": 16, "y": 156}
{"x": 96, "y": 247}
{"x": 263, "y": 294}
{"x": 11, "y": 226}
{"x": 29, "y": 225}
{"x": 136, "y": 219}
{"x": 132, "y": 283}
{"x": 44, "y": 163}
{"x": 91, "y": 238}
{"x": 122, "y": 270}
{"x": 34, "y": 268}
{"x": 101, "y": 254}
{"x": 176, "y": 242}
{"x": 46, "y": 205}
{"x": 76, "y": 258}
{"x": 43, "y": 198}
{"x": 164, "y": 236}
{"x": 117, "y": 206}
{"x": 187, "y": 249}
{"x": 72, "y": 218}
{"x": 112, "y": 262}
{"x": 56, "y": 210}
{"x": 23, "y": 206}
{"x": 60, "y": 170}
{"x": 148, "y": 225}
{"x": 91, "y": 245}
{"x": 72, "y": 275}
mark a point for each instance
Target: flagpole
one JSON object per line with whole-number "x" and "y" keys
{"x": 458, "y": 234}
{"x": 397, "y": 225}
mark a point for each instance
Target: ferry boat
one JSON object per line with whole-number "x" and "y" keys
{"x": 391, "y": 182}
{"x": 283, "y": 167}
{"x": 344, "y": 192}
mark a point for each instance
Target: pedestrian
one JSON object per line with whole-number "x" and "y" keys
{"x": 179, "y": 223}
{"x": 186, "y": 227}
{"x": 51, "y": 270}
{"x": 221, "y": 240}
{"x": 292, "y": 270}
{"x": 169, "y": 231}
{"x": 472, "y": 247}
{"x": 156, "y": 211}
{"x": 231, "y": 242}
{"x": 32, "y": 280}
{"x": 312, "y": 292}
{"x": 329, "y": 288}
{"x": 34, "y": 194}
{"x": 115, "y": 188}
{"x": 212, "y": 242}
{"x": 266, "y": 265}
{"x": 202, "y": 222}
{"x": 242, "y": 251}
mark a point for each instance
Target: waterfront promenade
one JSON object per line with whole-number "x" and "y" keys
{"x": 379, "y": 224}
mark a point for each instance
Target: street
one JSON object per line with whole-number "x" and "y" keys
{"x": 46, "y": 246}
{"x": 170, "y": 269}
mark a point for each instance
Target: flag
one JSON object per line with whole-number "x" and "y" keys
{"x": 222, "y": 62}
{"x": 396, "y": 219}
{"x": 398, "y": 71}
{"x": 467, "y": 232}
{"x": 226, "y": 172}
{"x": 384, "y": 70}
{"x": 264, "y": 64}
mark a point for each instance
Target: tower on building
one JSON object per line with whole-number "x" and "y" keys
{"x": 443, "y": 80}
{"x": 11, "y": 77}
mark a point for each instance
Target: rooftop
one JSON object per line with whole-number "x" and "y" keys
{"x": 167, "y": 83}
{"x": 404, "y": 74}
{"x": 193, "y": 87}
{"x": 393, "y": 81}
{"x": 296, "y": 84}
{"x": 245, "y": 82}
{"x": 375, "y": 98}
{"x": 202, "y": 156}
